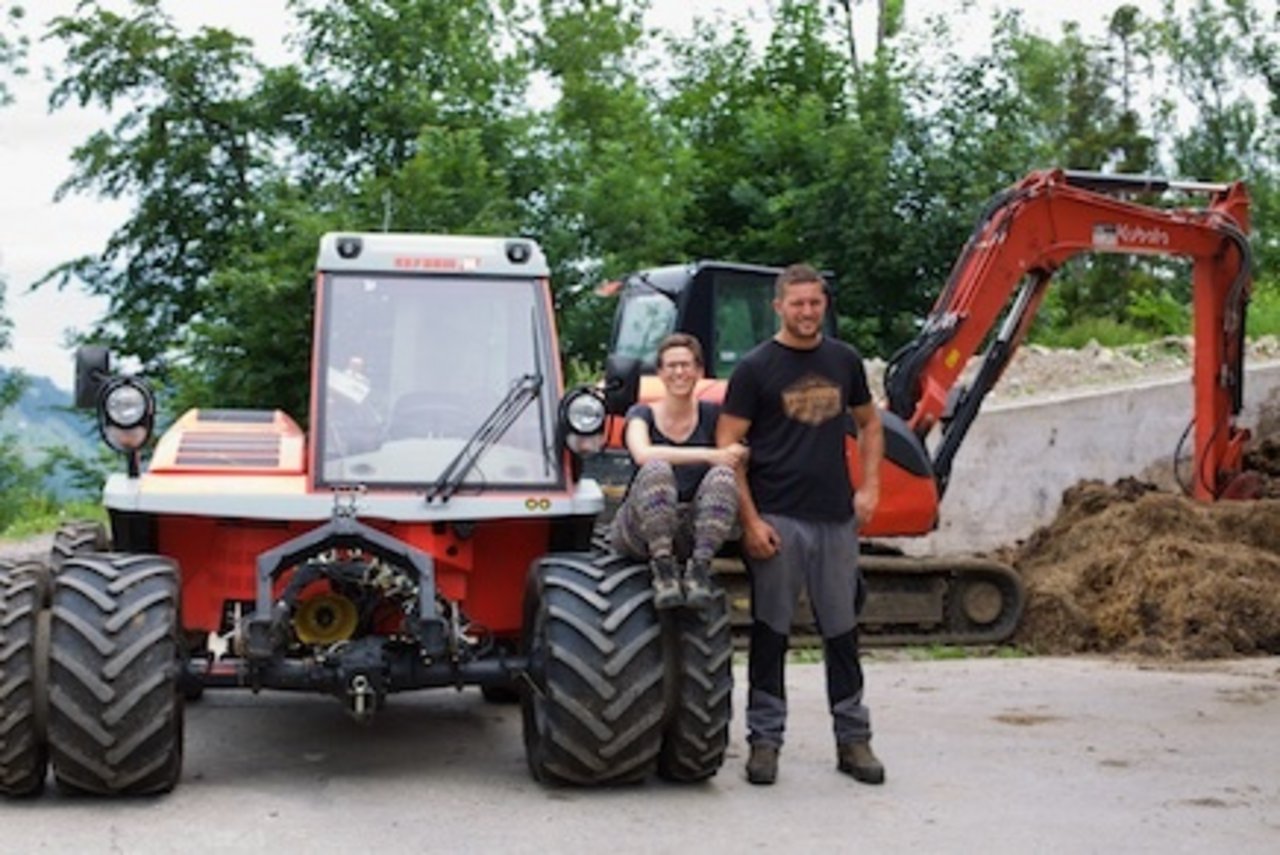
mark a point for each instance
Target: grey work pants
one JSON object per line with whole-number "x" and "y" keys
{"x": 822, "y": 558}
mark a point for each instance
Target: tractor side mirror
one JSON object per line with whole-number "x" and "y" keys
{"x": 621, "y": 383}
{"x": 93, "y": 369}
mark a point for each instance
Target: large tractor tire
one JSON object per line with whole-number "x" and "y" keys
{"x": 115, "y": 701}
{"x": 78, "y": 537}
{"x": 700, "y": 664}
{"x": 500, "y": 695}
{"x": 23, "y": 640}
{"x": 593, "y": 708}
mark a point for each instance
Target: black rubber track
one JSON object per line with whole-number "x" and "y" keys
{"x": 593, "y": 710}
{"x": 115, "y": 709}
{"x": 23, "y": 751}
{"x": 700, "y": 657}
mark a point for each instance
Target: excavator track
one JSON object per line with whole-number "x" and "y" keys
{"x": 910, "y": 601}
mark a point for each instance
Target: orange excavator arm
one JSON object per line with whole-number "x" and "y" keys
{"x": 1023, "y": 236}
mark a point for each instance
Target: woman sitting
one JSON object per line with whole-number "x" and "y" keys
{"x": 683, "y": 500}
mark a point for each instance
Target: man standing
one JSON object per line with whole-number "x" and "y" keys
{"x": 789, "y": 399}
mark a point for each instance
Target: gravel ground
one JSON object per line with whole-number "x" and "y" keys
{"x": 997, "y": 756}
{"x": 1037, "y": 370}
{"x": 36, "y": 546}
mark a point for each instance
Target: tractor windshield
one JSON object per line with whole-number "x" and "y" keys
{"x": 411, "y": 368}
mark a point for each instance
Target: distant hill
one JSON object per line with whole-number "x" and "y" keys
{"x": 42, "y": 418}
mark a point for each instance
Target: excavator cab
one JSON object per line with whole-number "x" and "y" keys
{"x": 727, "y": 307}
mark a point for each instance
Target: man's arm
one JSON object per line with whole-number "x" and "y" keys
{"x": 759, "y": 539}
{"x": 871, "y": 452}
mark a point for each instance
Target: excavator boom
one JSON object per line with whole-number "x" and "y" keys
{"x": 1023, "y": 237}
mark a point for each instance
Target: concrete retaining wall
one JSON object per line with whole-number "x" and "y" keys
{"x": 1009, "y": 475}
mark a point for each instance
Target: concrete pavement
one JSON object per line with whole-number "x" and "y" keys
{"x": 983, "y": 755}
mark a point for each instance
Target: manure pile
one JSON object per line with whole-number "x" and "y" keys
{"x": 1127, "y": 568}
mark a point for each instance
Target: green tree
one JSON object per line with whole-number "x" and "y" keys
{"x": 631, "y": 150}
{"x": 399, "y": 115}
{"x": 13, "y": 46}
{"x": 188, "y": 143}
{"x": 614, "y": 192}
{"x": 417, "y": 140}
{"x": 1132, "y": 46}
{"x": 761, "y": 130}
{"x": 1221, "y": 54}
{"x": 375, "y": 74}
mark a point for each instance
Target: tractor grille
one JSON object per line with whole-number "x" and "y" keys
{"x": 244, "y": 417}
{"x": 214, "y": 448}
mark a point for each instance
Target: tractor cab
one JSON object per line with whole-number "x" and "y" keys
{"x": 435, "y": 366}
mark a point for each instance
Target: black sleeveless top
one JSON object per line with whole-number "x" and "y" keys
{"x": 688, "y": 475}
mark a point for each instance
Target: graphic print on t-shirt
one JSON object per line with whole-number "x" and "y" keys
{"x": 811, "y": 400}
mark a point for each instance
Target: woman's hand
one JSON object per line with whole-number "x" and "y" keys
{"x": 734, "y": 455}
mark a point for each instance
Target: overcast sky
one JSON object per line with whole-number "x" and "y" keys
{"x": 36, "y": 233}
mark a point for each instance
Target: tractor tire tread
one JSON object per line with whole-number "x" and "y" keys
{"x": 23, "y": 750}
{"x": 115, "y": 706}
{"x": 700, "y": 648}
{"x": 599, "y": 696}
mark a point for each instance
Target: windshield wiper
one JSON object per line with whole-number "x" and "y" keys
{"x": 524, "y": 391}
{"x": 548, "y": 452}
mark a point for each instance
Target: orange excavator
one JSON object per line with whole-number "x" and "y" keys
{"x": 1023, "y": 236}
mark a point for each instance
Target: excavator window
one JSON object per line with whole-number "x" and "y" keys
{"x": 646, "y": 319}
{"x": 744, "y": 316}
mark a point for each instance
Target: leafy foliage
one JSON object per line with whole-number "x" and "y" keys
{"x": 619, "y": 148}
{"x": 13, "y": 46}
{"x": 190, "y": 145}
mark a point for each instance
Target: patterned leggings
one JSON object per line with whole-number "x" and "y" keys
{"x": 652, "y": 524}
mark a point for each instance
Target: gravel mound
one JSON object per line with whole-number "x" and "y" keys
{"x": 1036, "y": 370}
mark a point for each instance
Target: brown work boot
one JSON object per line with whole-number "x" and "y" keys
{"x": 698, "y": 593}
{"x": 857, "y": 759}
{"x": 762, "y": 765}
{"x": 666, "y": 583}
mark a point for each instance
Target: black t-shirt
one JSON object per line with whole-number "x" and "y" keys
{"x": 688, "y": 475}
{"x": 798, "y": 403}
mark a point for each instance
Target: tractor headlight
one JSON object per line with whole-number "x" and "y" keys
{"x": 126, "y": 405}
{"x": 582, "y": 417}
{"x": 126, "y": 410}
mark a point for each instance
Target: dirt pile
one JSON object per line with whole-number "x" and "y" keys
{"x": 1262, "y": 464}
{"x": 1137, "y": 568}
{"x": 1127, "y": 568}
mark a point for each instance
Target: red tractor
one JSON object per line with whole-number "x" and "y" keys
{"x": 431, "y": 530}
